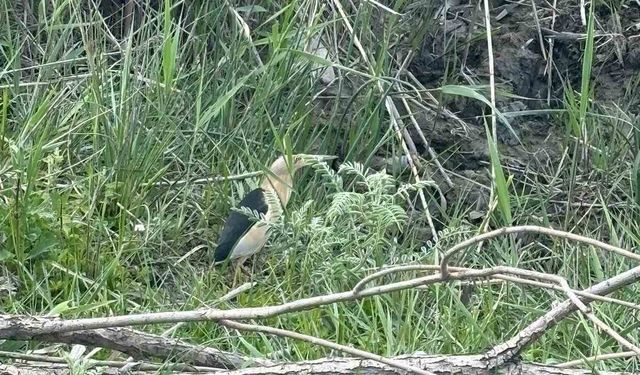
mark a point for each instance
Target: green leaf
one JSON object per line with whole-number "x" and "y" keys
{"x": 5, "y": 255}
{"x": 471, "y": 93}
{"x": 89, "y": 307}
{"x": 60, "y": 308}
{"x": 213, "y": 111}
{"x": 44, "y": 243}
{"x": 500, "y": 182}
{"x": 635, "y": 178}
{"x": 587, "y": 63}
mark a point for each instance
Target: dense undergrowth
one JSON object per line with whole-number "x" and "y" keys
{"x": 103, "y": 139}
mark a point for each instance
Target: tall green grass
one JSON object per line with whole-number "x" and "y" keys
{"x": 89, "y": 125}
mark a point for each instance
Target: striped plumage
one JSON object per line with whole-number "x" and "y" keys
{"x": 241, "y": 237}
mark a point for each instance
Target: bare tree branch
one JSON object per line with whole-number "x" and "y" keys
{"x": 459, "y": 365}
{"x": 103, "y": 332}
{"x": 601, "y": 357}
{"x": 141, "y": 345}
{"x": 533, "y": 229}
{"x": 430, "y": 267}
{"x": 328, "y": 344}
{"x": 504, "y": 352}
{"x": 133, "y": 365}
{"x": 29, "y": 328}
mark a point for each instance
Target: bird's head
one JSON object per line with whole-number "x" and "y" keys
{"x": 280, "y": 176}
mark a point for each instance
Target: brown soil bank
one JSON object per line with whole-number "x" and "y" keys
{"x": 538, "y": 53}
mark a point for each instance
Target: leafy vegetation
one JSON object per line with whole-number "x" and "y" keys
{"x": 103, "y": 139}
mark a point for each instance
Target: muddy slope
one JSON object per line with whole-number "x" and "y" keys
{"x": 522, "y": 64}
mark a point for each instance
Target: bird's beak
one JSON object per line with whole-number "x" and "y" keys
{"x": 309, "y": 158}
{"x": 306, "y": 159}
{"x": 325, "y": 157}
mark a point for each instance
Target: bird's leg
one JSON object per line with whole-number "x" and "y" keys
{"x": 240, "y": 264}
{"x": 239, "y": 268}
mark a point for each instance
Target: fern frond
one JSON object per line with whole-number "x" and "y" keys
{"x": 332, "y": 179}
{"x": 353, "y": 168}
{"x": 299, "y": 216}
{"x": 380, "y": 183}
{"x": 416, "y": 186}
{"x": 388, "y": 215}
{"x": 253, "y": 215}
{"x": 275, "y": 207}
{"x": 342, "y": 203}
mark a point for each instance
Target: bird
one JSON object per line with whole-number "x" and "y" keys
{"x": 242, "y": 237}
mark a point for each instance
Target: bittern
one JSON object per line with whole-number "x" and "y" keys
{"x": 241, "y": 237}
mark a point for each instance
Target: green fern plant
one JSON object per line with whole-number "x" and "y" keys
{"x": 362, "y": 213}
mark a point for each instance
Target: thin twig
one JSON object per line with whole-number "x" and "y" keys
{"x": 410, "y": 267}
{"x": 533, "y": 229}
{"x": 540, "y": 39}
{"x": 236, "y": 177}
{"x": 134, "y": 365}
{"x": 424, "y": 140}
{"x": 429, "y": 267}
{"x": 507, "y": 350}
{"x": 611, "y": 332}
{"x": 231, "y": 294}
{"x": 581, "y": 293}
{"x": 595, "y": 358}
{"x": 321, "y": 342}
{"x": 565, "y": 288}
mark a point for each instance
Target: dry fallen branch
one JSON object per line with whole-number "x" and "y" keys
{"x": 303, "y": 304}
{"x": 499, "y": 277}
{"x": 533, "y": 229}
{"x": 506, "y": 351}
{"x": 92, "y": 331}
{"x": 29, "y": 328}
{"x": 24, "y": 327}
{"x": 141, "y": 345}
{"x": 132, "y": 365}
{"x": 459, "y": 365}
{"x": 321, "y": 342}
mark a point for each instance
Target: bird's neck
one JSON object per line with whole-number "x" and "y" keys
{"x": 281, "y": 185}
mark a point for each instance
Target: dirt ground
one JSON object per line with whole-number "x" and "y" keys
{"x": 522, "y": 65}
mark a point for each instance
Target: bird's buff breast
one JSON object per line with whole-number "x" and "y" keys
{"x": 251, "y": 242}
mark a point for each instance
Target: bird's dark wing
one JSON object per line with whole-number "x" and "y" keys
{"x": 238, "y": 224}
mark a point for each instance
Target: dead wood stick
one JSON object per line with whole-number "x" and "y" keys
{"x": 38, "y": 358}
{"x": 459, "y": 365}
{"x": 141, "y": 345}
{"x": 498, "y": 277}
{"x": 29, "y": 328}
{"x": 534, "y": 229}
{"x": 507, "y": 350}
{"x": 328, "y": 344}
{"x": 18, "y": 327}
